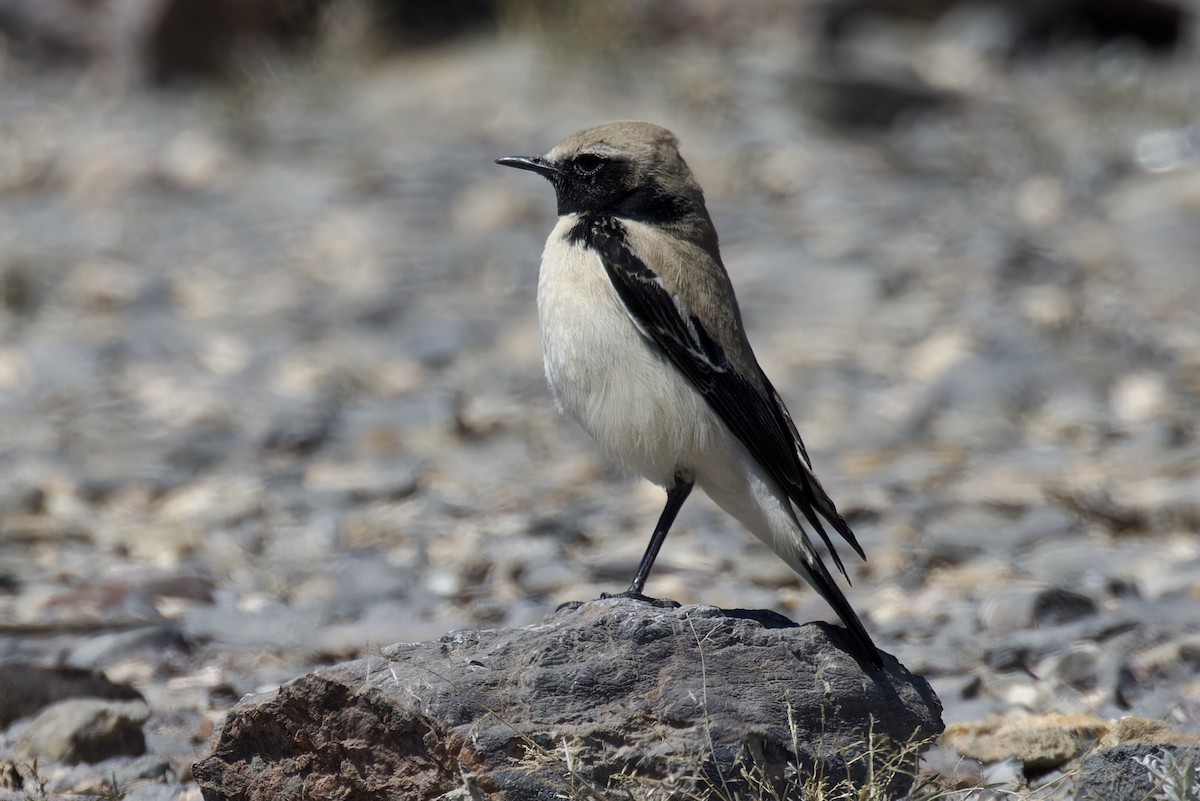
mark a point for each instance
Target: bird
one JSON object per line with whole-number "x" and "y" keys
{"x": 643, "y": 344}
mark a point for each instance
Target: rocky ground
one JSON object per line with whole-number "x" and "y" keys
{"x": 270, "y": 390}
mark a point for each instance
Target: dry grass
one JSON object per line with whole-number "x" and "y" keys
{"x": 887, "y": 763}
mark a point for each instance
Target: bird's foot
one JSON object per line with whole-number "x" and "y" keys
{"x": 661, "y": 603}
{"x": 568, "y": 606}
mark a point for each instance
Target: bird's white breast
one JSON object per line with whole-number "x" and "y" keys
{"x": 641, "y": 411}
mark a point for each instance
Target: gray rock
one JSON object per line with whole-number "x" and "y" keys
{"x": 363, "y": 482}
{"x": 1033, "y": 606}
{"x": 1020, "y": 649}
{"x": 85, "y": 730}
{"x": 952, "y": 768}
{"x": 26, "y": 689}
{"x": 1140, "y": 770}
{"x": 154, "y": 792}
{"x": 1004, "y": 775}
{"x": 608, "y": 689}
{"x": 1081, "y": 667}
{"x": 273, "y": 625}
{"x": 161, "y": 39}
{"x": 125, "y": 777}
{"x": 104, "y": 648}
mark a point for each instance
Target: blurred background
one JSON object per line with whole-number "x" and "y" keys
{"x": 270, "y": 378}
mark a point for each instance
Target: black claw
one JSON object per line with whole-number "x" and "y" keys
{"x": 568, "y": 606}
{"x": 661, "y": 603}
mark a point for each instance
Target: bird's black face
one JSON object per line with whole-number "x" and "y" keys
{"x": 592, "y": 183}
{"x": 586, "y": 182}
{"x": 598, "y": 184}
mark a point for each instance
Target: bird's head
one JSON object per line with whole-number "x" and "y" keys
{"x": 627, "y": 169}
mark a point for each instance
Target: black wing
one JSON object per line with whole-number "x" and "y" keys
{"x": 760, "y": 422}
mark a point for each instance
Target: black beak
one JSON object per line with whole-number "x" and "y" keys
{"x": 532, "y": 163}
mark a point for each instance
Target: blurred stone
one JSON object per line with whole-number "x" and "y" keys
{"x": 1051, "y": 308}
{"x": 384, "y": 622}
{"x": 1134, "y": 729}
{"x": 11, "y": 779}
{"x": 1082, "y": 667}
{"x": 304, "y": 432}
{"x": 482, "y": 415}
{"x": 1099, "y": 506}
{"x": 130, "y": 599}
{"x": 362, "y": 482}
{"x": 271, "y": 625}
{"x": 1181, "y": 579}
{"x": 194, "y": 160}
{"x": 1177, "y": 653}
{"x": 1140, "y": 397}
{"x": 27, "y": 689}
{"x": 139, "y": 778}
{"x": 937, "y": 354}
{"x": 20, "y": 292}
{"x": 1039, "y": 742}
{"x": 218, "y": 500}
{"x": 492, "y": 207}
{"x": 1035, "y": 26}
{"x": 201, "y": 38}
{"x": 1004, "y": 775}
{"x": 54, "y": 29}
{"x": 85, "y": 730}
{"x": 867, "y": 101}
{"x": 103, "y": 286}
{"x": 1033, "y": 607}
{"x": 162, "y": 39}
{"x": 102, "y": 170}
{"x": 1070, "y": 415}
{"x": 1040, "y": 201}
{"x": 953, "y": 771}
{"x": 414, "y": 22}
{"x": 1021, "y": 649}
{"x": 106, "y": 648}
{"x": 546, "y": 577}
{"x": 1154, "y": 24}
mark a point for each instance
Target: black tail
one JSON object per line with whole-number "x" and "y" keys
{"x": 813, "y": 569}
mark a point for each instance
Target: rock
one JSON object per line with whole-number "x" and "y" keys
{"x": 10, "y": 777}
{"x": 416, "y": 23}
{"x": 1133, "y": 729}
{"x": 1083, "y": 667}
{"x": 364, "y": 481}
{"x": 26, "y": 689}
{"x": 953, "y": 771}
{"x": 1033, "y": 606}
{"x": 85, "y": 730}
{"x": 598, "y": 693}
{"x": 106, "y": 648}
{"x": 1035, "y": 27}
{"x": 1139, "y": 770}
{"x": 1007, "y": 776}
{"x": 164, "y": 39}
{"x": 186, "y": 38}
{"x": 1021, "y": 650}
{"x": 861, "y": 101}
{"x": 126, "y": 778}
{"x": 1040, "y": 742}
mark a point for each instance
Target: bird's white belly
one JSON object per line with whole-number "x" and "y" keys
{"x": 642, "y": 412}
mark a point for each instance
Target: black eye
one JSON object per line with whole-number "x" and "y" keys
{"x": 588, "y": 164}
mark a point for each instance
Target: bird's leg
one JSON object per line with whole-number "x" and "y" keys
{"x": 676, "y": 494}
